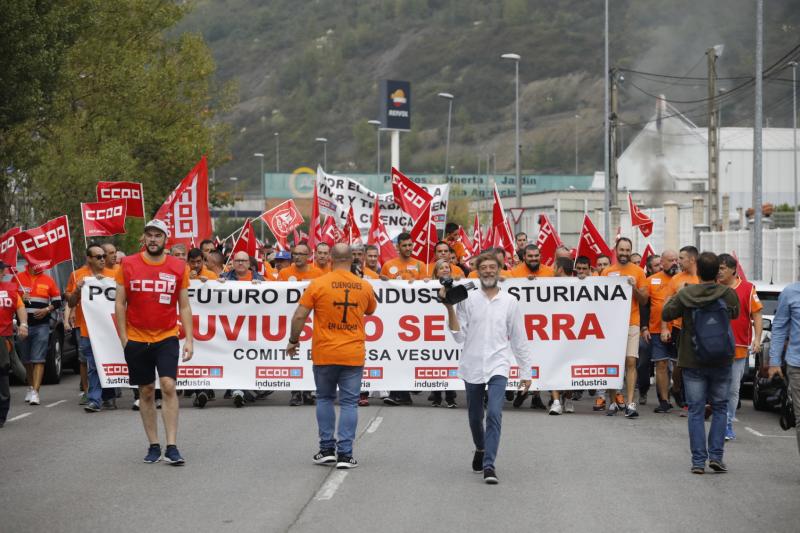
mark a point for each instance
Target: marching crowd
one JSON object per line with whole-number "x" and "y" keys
{"x": 661, "y": 337}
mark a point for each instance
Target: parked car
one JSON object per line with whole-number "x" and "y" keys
{"x": 62, "y": 350}
{"x": 768, "y": 293}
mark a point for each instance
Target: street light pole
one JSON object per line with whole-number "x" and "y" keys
{"x": 516, "y": 58}
{"x": 377, "y": 124}
{"x": 449, "y": 97}
{"x": 235, "y": 181}
{"x": 757, "y": 143}
{"x": 606, "y": 134}
{"x": 324, "y": 142}
{"x": 576, "y": 143}
{"x": 277, "y": 152}
{"x": 260, "y": 156}
{"x": 793, "y": 64}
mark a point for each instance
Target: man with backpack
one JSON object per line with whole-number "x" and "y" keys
{"x": 705, "y": 353}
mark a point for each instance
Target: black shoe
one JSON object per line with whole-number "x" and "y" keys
{"x": 663, "y": 407}
{"x": 451, "y": 404}
{"x": 325, "y": 457}
{"x": 477, "y": 462}
{"x": 91, "y": 407}
{"x": 717, "y": 466}
{"x": 698, "y": 470}
{"x": 201, "y": 399}
{"x": 509, "y": 395}
{"x": 308, "y": 399}
{"x": 212, "y": 396}
{"x": 227, "y": 395}
{"x": 345, "y": 462}
{"x": 592, "y": 392}
{"x": 490, "y": 477}
{"x": 238, "y": 399}
{"x": 110, "y": 405}
{"x": 261, "y": 395}
{"x": 519, "y": 399}
{"x": 249, "y": 397}
{"x": 577, "y": 395}
{"x": 297, "y": 399}
{"x": 390, "y": 400}
{"x": 536, "y": 403}
{"x": 436, "y": 403}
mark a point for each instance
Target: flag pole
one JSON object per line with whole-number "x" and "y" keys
{"x": 235, "y": 243}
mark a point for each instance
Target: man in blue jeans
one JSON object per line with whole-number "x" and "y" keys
{"x": 703, "y": 382}
{"x": 489, "y": 326}
{"x": 340, "y": 300}
{"x": 786, "y": 334}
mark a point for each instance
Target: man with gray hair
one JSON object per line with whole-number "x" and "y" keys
{"x": 487, "y": 356}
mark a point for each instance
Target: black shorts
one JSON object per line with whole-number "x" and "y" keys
{"x": 144, "y": 358}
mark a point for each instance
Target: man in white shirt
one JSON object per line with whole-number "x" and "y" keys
{"x": 488, "y": 324}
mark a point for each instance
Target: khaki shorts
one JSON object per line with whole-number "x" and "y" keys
{"x": 632, "y": 350}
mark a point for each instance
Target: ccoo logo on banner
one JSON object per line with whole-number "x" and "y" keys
{"x": 241, "y": 331}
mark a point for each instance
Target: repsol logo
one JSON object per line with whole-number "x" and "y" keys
{"x": 47, "y": 238}
{"x": 282, "y": 372}
{"x": 120, "y": 194}
{"x": 199, "y": 372}
{"x": 152, "y": 285}
{"x": 435, "y": 372}
{"x": 595, "y": 371}
{"x": 104, "y": 214}
{"x": 115, "y": 369}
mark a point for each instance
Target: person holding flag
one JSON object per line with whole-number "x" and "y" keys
{"x": 10, "y": 304}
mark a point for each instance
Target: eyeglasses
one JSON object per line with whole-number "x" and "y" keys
{"x": 241, "y": 260}
{"x": 299, "y": 253}
{"x": 98, "y": 257}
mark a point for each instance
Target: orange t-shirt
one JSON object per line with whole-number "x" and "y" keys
{"x": 505, "y": 274}
{"x": 291, "y": 273}
{"x": 458, "y": 247}
{"x": 522, "y": 271}
{"x": 84, "y": 272}
{"x": 659, "y": 293}
{"x": 455, "y": 271}
{"x": 140, "y": 334}
{"x": 339, "y": 299}
{"x": 371, "y": 274}
{"x": 676, "y": 284}
{"x": 629, "y": 269}
{"x": 398, "y": 268}
{"x": 208, "y": 274}
{"x": 325, "y": 269}
{"x": 755, "y": 307}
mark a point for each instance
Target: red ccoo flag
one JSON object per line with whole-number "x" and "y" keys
{"x": 378, "y": 236}
{"x": 424, "y": 237}
{"x": 103, "y": 218}
{"x": 47, "y": 245}
{"x": 502, "y": 235}
{"x": 639, "y": 219}
{"x": 331, "y": 234}
{"x": 186, "y": 210}
{"x": 547, "y": 241}
{"x": 648, "y": 251}
{"x": 129, "y": 191}
{"x": 477, "y": 238}
{"x": 8, "y": 248}
{"x": 352, "y": 235}
{"x": 411, "y": 198}
{"x": 468, "y": 246}
{"x": 590, "y": 243}
{"x": 247, "y": 241}
{"x": 281, "y": 220}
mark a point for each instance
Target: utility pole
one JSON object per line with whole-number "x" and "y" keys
{"x": 607, "y": 133}
{"x": 613, "y": 145}
{"x": 713, "y": 139}
{"x": 757, "y": 142}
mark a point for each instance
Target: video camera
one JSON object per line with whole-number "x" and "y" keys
{"x": 453, "y": 293}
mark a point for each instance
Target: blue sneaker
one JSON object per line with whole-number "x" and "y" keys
{"x": 729, "y": 433}
{"x": 173, "y": 457}
{"x": 153, "y": 454}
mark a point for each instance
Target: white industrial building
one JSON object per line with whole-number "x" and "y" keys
{"x": 671, "y": 154}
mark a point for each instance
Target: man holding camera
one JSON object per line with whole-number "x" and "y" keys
{"x": 488, "y": 324}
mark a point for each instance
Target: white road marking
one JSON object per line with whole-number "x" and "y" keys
{"x": 758, "y": 434}
{"x": 23, "y": 415}
{"x": 56, "y": 403}
{"x": 329, "y": 488}
{"x": 376, "y": 422}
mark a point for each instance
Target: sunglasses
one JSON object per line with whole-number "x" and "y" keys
{"x": 98, "y": 257}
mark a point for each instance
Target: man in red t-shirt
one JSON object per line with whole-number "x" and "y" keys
{"x": 151, "y": 287}
{"x": 10, "y": 304}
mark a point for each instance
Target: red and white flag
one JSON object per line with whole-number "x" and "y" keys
{"x": 352, "y": 235}
{"x": 281, "y": 220}
{"x": 314, "y": 227}
{"x": 739, "y": 269}
{"x": 378, "y": 236}
{"x": 464, "y": 238}
{"x": 547, "y": 241}
{"x": 477, "y": 238}
{"x": 47, "y": 245}
{"x": 103, "y": 218}
{"x": 8, "y": 248}
{"x": 639, "y": 219}
{"x": 648, "y": 251}
{"x": 331, "y": 234}
{"x": 186, "y": 210}
{"x": 503, "y": 236}
{"x": 217, "y": 242}
{"x": 411, "y": 198}
{"x": 488, "y": 238}
{"x": 591, "y": 243}
{"x": 424, "y": 237}
{"x": 129, "y": 191}
{"x": 247, "y": 241}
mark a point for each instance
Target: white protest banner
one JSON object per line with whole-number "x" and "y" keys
{"x": 241, "y": 331}
{"x": 337, "y": 193}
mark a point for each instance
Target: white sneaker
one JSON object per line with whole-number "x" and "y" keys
{"x": 569, "y": 406}
{"x": 556, "y": 409}
{"x": 28, "y": 394}
{"x": 34, "y": 398}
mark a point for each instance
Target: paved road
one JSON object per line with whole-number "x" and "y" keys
{"x": 249, "y": 470}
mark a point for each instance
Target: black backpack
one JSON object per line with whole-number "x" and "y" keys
{"x": 712, "y": 338}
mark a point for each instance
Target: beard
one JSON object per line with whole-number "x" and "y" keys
{"x": 623, "y": 259}
{"x": 533, "y": 266}
{"x": 672, "y": 270}
{"x": 155, "y": 249}
{"x": 489, "y": 282}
